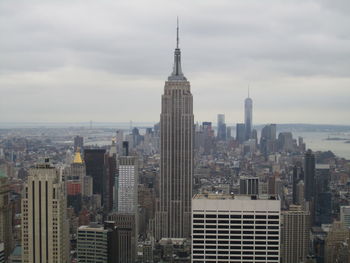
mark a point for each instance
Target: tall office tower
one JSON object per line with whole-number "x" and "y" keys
{"x": 309, "y": 175}
{"x": 221, "y": 135}
{"x": 268, "y": 139}
{"x": 323, "y": 196}
{"x": 95, "y": 167}
{"x": 285, "y": 142}
{"x": 240, "y": 132}
{"x": 228, "y": 133}
{"x": 295, "y": 237}
{"x": 249, "y": 185}
{"x": 294, "y": 184}
{"x": 95, "y": 243}
{"x": 300, "y": 190}
{"x": 78, "y": 143}
{"x": 176, "y": 168}
{"x": 227, "y": 228}
{"x": 119, "y": 140}
{"x": 297, "y": 176}
{"x": 128, "y": 182}
{"x": 208, "y": 137}
{"x": 87, "y": 186}
{"x": 338, "y": 235}
{"x": 77, "y": 171}
{"x": 74, "y": 181}
{"x": 111, "y": 171}
{"x": 127, "y": 233}
{"x": 44, "y": 222}
{"x": 255, "y": 135}
{"x": 5, "y": 215}
{"x": 248, "y": 117}
{"x": 345, "y": 215}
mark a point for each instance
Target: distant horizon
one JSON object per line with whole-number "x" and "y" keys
{"x": 145, "y": 123}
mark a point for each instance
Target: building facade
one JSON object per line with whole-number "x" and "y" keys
{"x": 295, "y": 234}
{"x": 221, "y": 126}
{"x": 176, "y": 168}
{"x": 248, "y": 117}
{"x": 249, "y": 185}
{"x": 127, "y": 185}
{"x": 227, "y": 228}
{"x": 95, "y": 167}
{"x": 345, "y": 215}
{"x": 93, "y": 244}
{"x": 44, "y": 222}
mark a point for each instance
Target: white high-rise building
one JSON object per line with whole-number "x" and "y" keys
{"x": 127, "y": 184}
{"x": 44, "y": 223}
{"x": 242, "y": 228}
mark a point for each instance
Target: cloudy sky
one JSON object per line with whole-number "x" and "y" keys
{"x": 106, "y": 61}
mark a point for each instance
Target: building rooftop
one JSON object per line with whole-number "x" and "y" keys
{"x": 92, "y": 227}
{"x": 322, "y": 166}
{"x": 212, "y": 196}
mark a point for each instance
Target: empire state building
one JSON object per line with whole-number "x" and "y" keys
{"x": 176, "y": 170}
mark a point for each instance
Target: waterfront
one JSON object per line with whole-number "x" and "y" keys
{"x": 317, "y": 141}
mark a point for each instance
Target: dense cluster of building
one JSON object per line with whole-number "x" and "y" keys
{"x": 175, "y": 192}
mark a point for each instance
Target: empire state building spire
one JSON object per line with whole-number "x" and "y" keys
{"x": 177, "y": 71}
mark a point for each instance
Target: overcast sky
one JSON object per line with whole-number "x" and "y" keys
{"x": 106, "y": 61}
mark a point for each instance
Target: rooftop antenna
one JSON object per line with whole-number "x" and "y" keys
{"x": 248, "y": 91}
{"x": 177, "y": 32}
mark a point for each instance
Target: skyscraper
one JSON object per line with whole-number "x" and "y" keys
{"x": 221, "y": 134}
{"x": 78, "y": 143}
{"x": 295, "y": 234}
{"x": 240, "y": 132}
{"x": 248, "y": 117}
{"x": 44, "y": 222}
{"x": 309, "y": 168}
{"x": 128, "y": 181}
{"x": 95, "y": 167}
{"x": 176, "y": 169}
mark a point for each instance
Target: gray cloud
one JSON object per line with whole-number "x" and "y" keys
{"x": 107, "y": 60}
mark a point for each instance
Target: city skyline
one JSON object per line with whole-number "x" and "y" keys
{"x": 75, "y": 62}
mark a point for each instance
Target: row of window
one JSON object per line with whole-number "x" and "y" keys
{"x": 237, "y": 253}
{"x": 226, "y": 246}
{"x": 235, "y": 237}
{"x": 220, "y": 241}
{"x": 226, "y": 232}
{"x": 259, "y": 222}
{"x": 234, "y": 257}
{"x": 238, "y": 226}
{"x": 235, "y": 216}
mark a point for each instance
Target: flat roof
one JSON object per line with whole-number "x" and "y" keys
{"x": 213, "y": 196}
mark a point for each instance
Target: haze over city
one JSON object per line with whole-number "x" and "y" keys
{"x": 64, "y": 61}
